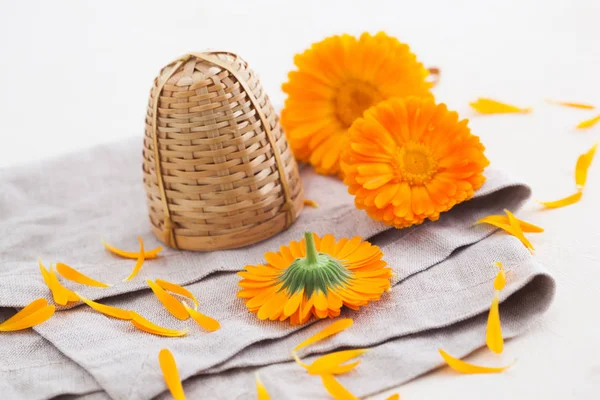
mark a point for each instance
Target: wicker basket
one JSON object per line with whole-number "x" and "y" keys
{"x": 218, "y": 170}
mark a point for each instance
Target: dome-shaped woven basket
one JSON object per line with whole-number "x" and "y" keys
{"x": 218, "y": 170}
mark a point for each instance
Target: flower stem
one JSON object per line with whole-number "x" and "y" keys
{"x": 311, "y": 249}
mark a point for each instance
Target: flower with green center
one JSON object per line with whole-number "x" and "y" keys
{"x": 315, "y": 277}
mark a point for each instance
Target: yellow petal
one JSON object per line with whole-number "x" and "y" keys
{"x": 517, "y": 231}
{"x": 589, "y": 123}
{"x": 500, "y": 280}
{"x": 332, "y": 329}
{"x": 33, "y": 314}
{"x": 583, "y": 164}
{"x": 335, "y": 389}
{"x": 172, "y": 305}
{"x": 107, "y": 310}
{"x": 73, "y": 275}
{"x": 569, "y": 104}
{"x": 326, "y": 363}
{"x": 57, "y": 294}
{"x": 261, "y": 390}
{"x": 342, "y": 369}
{"x": 466, "y": 368}
{"x": 139, "y": 263}
{"x": 180, "y": 290}
{"x": 144, "y": 325}
{"x": 132, "y": 255}
{"x": 493, "y": 336}
{"x": 170, "y": 373}
{"x": 567, "y": 201}
{"x": 311, "y": 203}
{"x": 489, "y": 106}
{"x": 503, "y": 219}
{"x": 206, "y": 322}
{"x": 395, "y": 396}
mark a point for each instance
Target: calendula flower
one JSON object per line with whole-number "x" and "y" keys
{"x": 316, "y": 276}
{"x": 336, "y": 81}
{"x": 409, "y": 160}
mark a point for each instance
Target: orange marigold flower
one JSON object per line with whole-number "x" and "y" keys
{"x": 410, "y": 159}
{"x": 336, "y": 80}
{"x": 316, "y": 276}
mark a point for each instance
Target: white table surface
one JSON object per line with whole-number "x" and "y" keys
{"x": 77, "y": 73}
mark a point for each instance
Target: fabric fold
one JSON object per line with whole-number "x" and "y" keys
{"x": 442, "y": 288}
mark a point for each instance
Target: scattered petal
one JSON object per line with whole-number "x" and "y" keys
{"x": 466, "y": 368}
{"x": 517, "y": 231}
{"x": 500, "y": 280}
{"x": 496, "y": 220}
{"x": 493, "y": 336}
{"x": 139, "y": 263}
{"x": 60, "y": 294}
{"x": 333, "y": 328}
{"x": 111, "y": 311}
{"x": 172, "y": 305}
{"x": 583, "y": 164}
{"x": 180, "y": 290}
{"x": 589, "y": 123}
{"x": 170, "y": 373}
{"x": 325, "y": 364}
{"x": 395, "y": 396}
{"x": 31, "y": 315}
{"x": 336, "y": 389}
{"x": 261, "y": 390}
{"x": 311, "y": 203}
{"x": 343, "y": 369}
{"x": 73, "y": 275}
{"x": 567, "y": 201}
{"x": 144, "y": 325}
{"x": 569, "y": 104}
{"x": 206, "y": 322}
{"x": 132, "y": 255}
{"x": 489, "y": 106}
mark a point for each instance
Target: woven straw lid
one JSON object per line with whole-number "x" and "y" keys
{"x": 218, "y": 170}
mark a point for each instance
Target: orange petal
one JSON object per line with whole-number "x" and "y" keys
{"x": 569, "y": 104}
{"x": 489, "y": 106}
{"x": 170, "y": 373}
{"x": 172, "y": 305}
{"x": 144, "y": 325}
{"x": 180, "y": 290}
{"x": 311, "y": 203}
{"x": 344, "y": 369}
{"x": 132, "y": 255}
{"x": 589, "y": 122}
{"x": 333, "y": 328}
{"x": 493, "y": 336}
{"x": 261, "y": 390}
{"x": 583, "y": 164}
{"x": 206, "y": 322}
{"x": 503, "y": 219}
{"x": 73, "y": 275}
{"x": 335, "y": 389}
{"x": 293, "y": 303}
{"x": 567, "y": 201}
{"x": 466, "y": 368}
{"x": 325, "y": 364}
{"x": 107, "y": 310}
{"x": 139, "y": 262}
{"x": 33, "y": 314}
{"x": 395, "y": 396}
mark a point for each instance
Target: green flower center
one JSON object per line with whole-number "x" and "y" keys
{"x": 315, "y": 272}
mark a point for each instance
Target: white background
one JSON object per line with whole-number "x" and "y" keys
{"x": 73, "y": 74}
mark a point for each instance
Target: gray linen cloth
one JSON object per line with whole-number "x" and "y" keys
{"x": 58, "y": 210}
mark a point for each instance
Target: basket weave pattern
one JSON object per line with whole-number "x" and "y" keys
{"x": 218, "y": 170}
